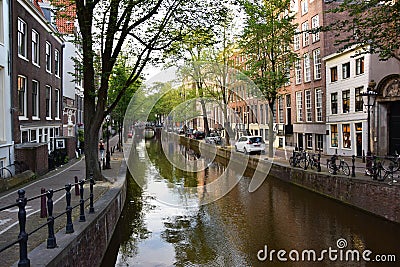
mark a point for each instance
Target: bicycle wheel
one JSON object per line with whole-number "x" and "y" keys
{"x": 303, "y": 163}
{"x": 330, "y": 167}
{"x": 291, "y": 161}
{"x": 344, "y": 167}
{"x": 388, "y": 162}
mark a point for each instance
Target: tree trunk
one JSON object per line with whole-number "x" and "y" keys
{"x": 227, "y": 127}
{"x": 270, "y": 132}
{"x": 91, "y": 152}
{"x": 205, "y": 121}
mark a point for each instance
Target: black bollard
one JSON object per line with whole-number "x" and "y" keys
{"x": 76, "y": 186}
{"x": 374, "y": 168}
{"x": 23, "y": 236}
{"x": 353, "y": 166}
{"x": 91, "y": 208}
{"x": 51, "y": 240}
{"x": 82, "y": 217}
{"x": 43, "y": 208}
{"x": 69, "y": 228}
{"x": 319, "y": 162}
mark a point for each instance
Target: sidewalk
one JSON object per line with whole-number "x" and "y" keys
{"x": 9, "y": 227}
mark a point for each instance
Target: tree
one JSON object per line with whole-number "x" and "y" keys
{"x": 266, "y": 44}
{"x": 373, "y": 25}
{"x": 144, "y": 28}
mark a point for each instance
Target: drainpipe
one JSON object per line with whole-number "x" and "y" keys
{"x": 10, "y": 71}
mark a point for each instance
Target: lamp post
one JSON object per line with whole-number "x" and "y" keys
{"x": 108, "y": 156}
{"x": 369, "y": 98}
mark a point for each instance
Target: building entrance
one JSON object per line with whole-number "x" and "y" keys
{"x": 394, "y": 128}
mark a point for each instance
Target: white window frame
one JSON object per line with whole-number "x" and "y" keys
{"x": 360, "y": 65}
{"x": 296, "y": 42}
{"x": 307, "y": 67}
{"x": 297, "y": 67}
{"x": 22, "y": 38}
{"x": 299, "y": 106}
{"x": 307, "y": 97}
{"x": 306, "y": 35}
{"x": 57, "y": 103}
{"x": 304, "y": 7}
{"x": 48, "y": 57}
{"x": 318, "y": 105}
{"x": 35, "y": 48}
{"x": 23, "y": 114}
{"x": 48, "y": 102}
{"x": 315, "y": 25}
{"x": 317, "y": 64}
{"x": 57, "y": 63}
{"x": 346, "y": 70}
{"x": 36, "y": 99}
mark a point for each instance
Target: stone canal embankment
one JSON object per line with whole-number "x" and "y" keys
{"x": 363, "y": 193}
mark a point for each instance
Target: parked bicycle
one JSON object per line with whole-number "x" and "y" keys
{"x": 341, "y": 168}
{"x": 312, "y": 161}
{"x": 391, "y": 162}
{"x": 299, "y": 159}
{"x": 387, "y": 173}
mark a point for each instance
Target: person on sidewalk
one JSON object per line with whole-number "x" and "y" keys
{"x": 101, "y": 148}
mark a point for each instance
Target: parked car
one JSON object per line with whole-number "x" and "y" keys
{"x": 213, "y": 139}
{"x": 248, "y": 144}
{"x": 199, "y": 135}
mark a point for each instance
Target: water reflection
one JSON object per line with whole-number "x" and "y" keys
{"x": 232, "y": 230}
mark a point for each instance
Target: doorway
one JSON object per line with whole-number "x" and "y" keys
{"x": 394, "y": 128}
{"x": 300, "y": 141}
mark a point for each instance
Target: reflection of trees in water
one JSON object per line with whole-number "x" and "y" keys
{"x": 166, "y": 169}
{"x": 191, "y": 238}
{"x": 130, "y": 228}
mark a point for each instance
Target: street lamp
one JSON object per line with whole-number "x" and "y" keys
{"x": 369, "y": 98}
{"x": 108, "y": 156}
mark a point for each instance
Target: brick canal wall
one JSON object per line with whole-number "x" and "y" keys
{"x": 89, "y": 242}
{"x": 371, "y": 196}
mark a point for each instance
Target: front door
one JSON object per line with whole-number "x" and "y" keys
{"x": 300, "y": 140}
{"x": 394, "y": 128}
{"x": 359, "y": 144}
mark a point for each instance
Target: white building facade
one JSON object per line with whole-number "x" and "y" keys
{"x": 6, "y": 141}
{"x": 347, "y": 76}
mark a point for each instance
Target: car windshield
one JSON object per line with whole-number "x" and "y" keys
{"x": 256, "y": 139}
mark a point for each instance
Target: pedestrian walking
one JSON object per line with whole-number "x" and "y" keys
{"x": 101, "y": 148}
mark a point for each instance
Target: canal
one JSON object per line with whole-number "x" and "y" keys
{"x": 163, "y": 224}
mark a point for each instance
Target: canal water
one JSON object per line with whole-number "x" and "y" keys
{"x": 164, "y": 225}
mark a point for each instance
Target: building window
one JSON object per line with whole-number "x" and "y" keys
{"x": 318, "y": 105}
{"x": 299, "y": 106}
{"x": 22, "y": 96}
{"x": 359, "y": 65}
{"x": 334, "y": 74}
{"x": 48, "y": 101}
{"x": 33, "y": 137}
{"x": 319, "y": 142}
{"x": 40, "y": 139}
{"x": 346, "y": 70}
{"x": 57, "y": 63}
{"x": 346, "y": 136}
{"x": 317, "y": 63}
{"x": 346, "y": 101}
{"x": 297, "y": 67}
{"x": 57, "y": 103}
{"x": 35, "y": 47}
{"x": 358, "y": 103}
{"x": 334, "y": 135}
{"x": 35, "y": 99}
{"x": 334, "y": 109}
{"x": 314, "y": 26}
{"x": 307, "y": 68}
{"x": 306, "y": 35}
{"x": 261, "y": 114}
{"x": 280, "y": 106}
{"x": 48, "y": 56}
{"x": 22, "y": 38}
{"x": 308, "y": 105}
{"x": 296, "y": 43}
{"x": 24, "y": 137}
{"x": 309, "y": 141}
{"x": 304, "y": 7}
